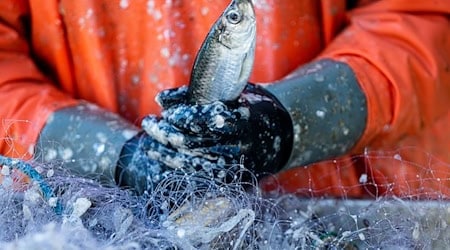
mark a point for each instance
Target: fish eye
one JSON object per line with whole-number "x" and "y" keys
{"x": 234, "y": 17}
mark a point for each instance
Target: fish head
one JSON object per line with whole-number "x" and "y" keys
{"x": 236, "y": 28}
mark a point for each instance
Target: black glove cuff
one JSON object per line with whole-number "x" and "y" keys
{"x": 271, "y": 131}
{"x": 126, "y": 158}
{"x": 134, "y": 168}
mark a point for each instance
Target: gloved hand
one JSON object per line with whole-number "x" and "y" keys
{"x": 94, "y": 143}
{"x": 255, "y": 130}
{"x": 144, "y": 162}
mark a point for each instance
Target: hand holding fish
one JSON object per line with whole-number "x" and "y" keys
{"x": 255, "y": 128}
{"x": 223, "y": 119}
{"x": 220, "y": 72}
{"x": 207, "y": 119}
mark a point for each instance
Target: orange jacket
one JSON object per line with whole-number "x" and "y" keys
{"x": 119, "y": 54}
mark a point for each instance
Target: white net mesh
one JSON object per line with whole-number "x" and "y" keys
{"x": 400, "y": 212}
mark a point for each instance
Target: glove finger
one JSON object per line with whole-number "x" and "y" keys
{"x": 209, "y": 119}
{"x": 171, "y": 97}
{"x": 184, "y": 161}
{"x": 173, "y": 162}
{"x": 230, "y": 153}
{"x": 162, "y": 132}
{"x": 167, "y": 134}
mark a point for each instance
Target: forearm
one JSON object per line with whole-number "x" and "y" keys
{"x": 327, "y": 107}
{"x": 401, "y": 63}
{"x": 87, "y": 139}
{"x": 387, "y": 83}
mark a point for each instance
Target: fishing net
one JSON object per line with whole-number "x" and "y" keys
{"x": 61, "y": 211}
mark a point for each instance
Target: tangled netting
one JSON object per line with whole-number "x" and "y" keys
{"x": 62, "y": 211}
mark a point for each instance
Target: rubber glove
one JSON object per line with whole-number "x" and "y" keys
{"x": 256, "y": 127}
{"x": 144, "y": 162}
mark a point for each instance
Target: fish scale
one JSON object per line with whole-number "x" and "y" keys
{"x": 225, "y": 60}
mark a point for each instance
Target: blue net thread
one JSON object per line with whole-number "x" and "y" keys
{"x": 29, "y": 171}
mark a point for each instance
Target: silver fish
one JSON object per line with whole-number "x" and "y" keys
{"x": 225, "y": 60}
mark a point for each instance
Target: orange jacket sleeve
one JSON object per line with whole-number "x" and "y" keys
{"x": 400, "y": 52}
{"x": 27, "y": 97}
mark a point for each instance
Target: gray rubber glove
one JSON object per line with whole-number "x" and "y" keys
{"x": 328, "y": 110}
